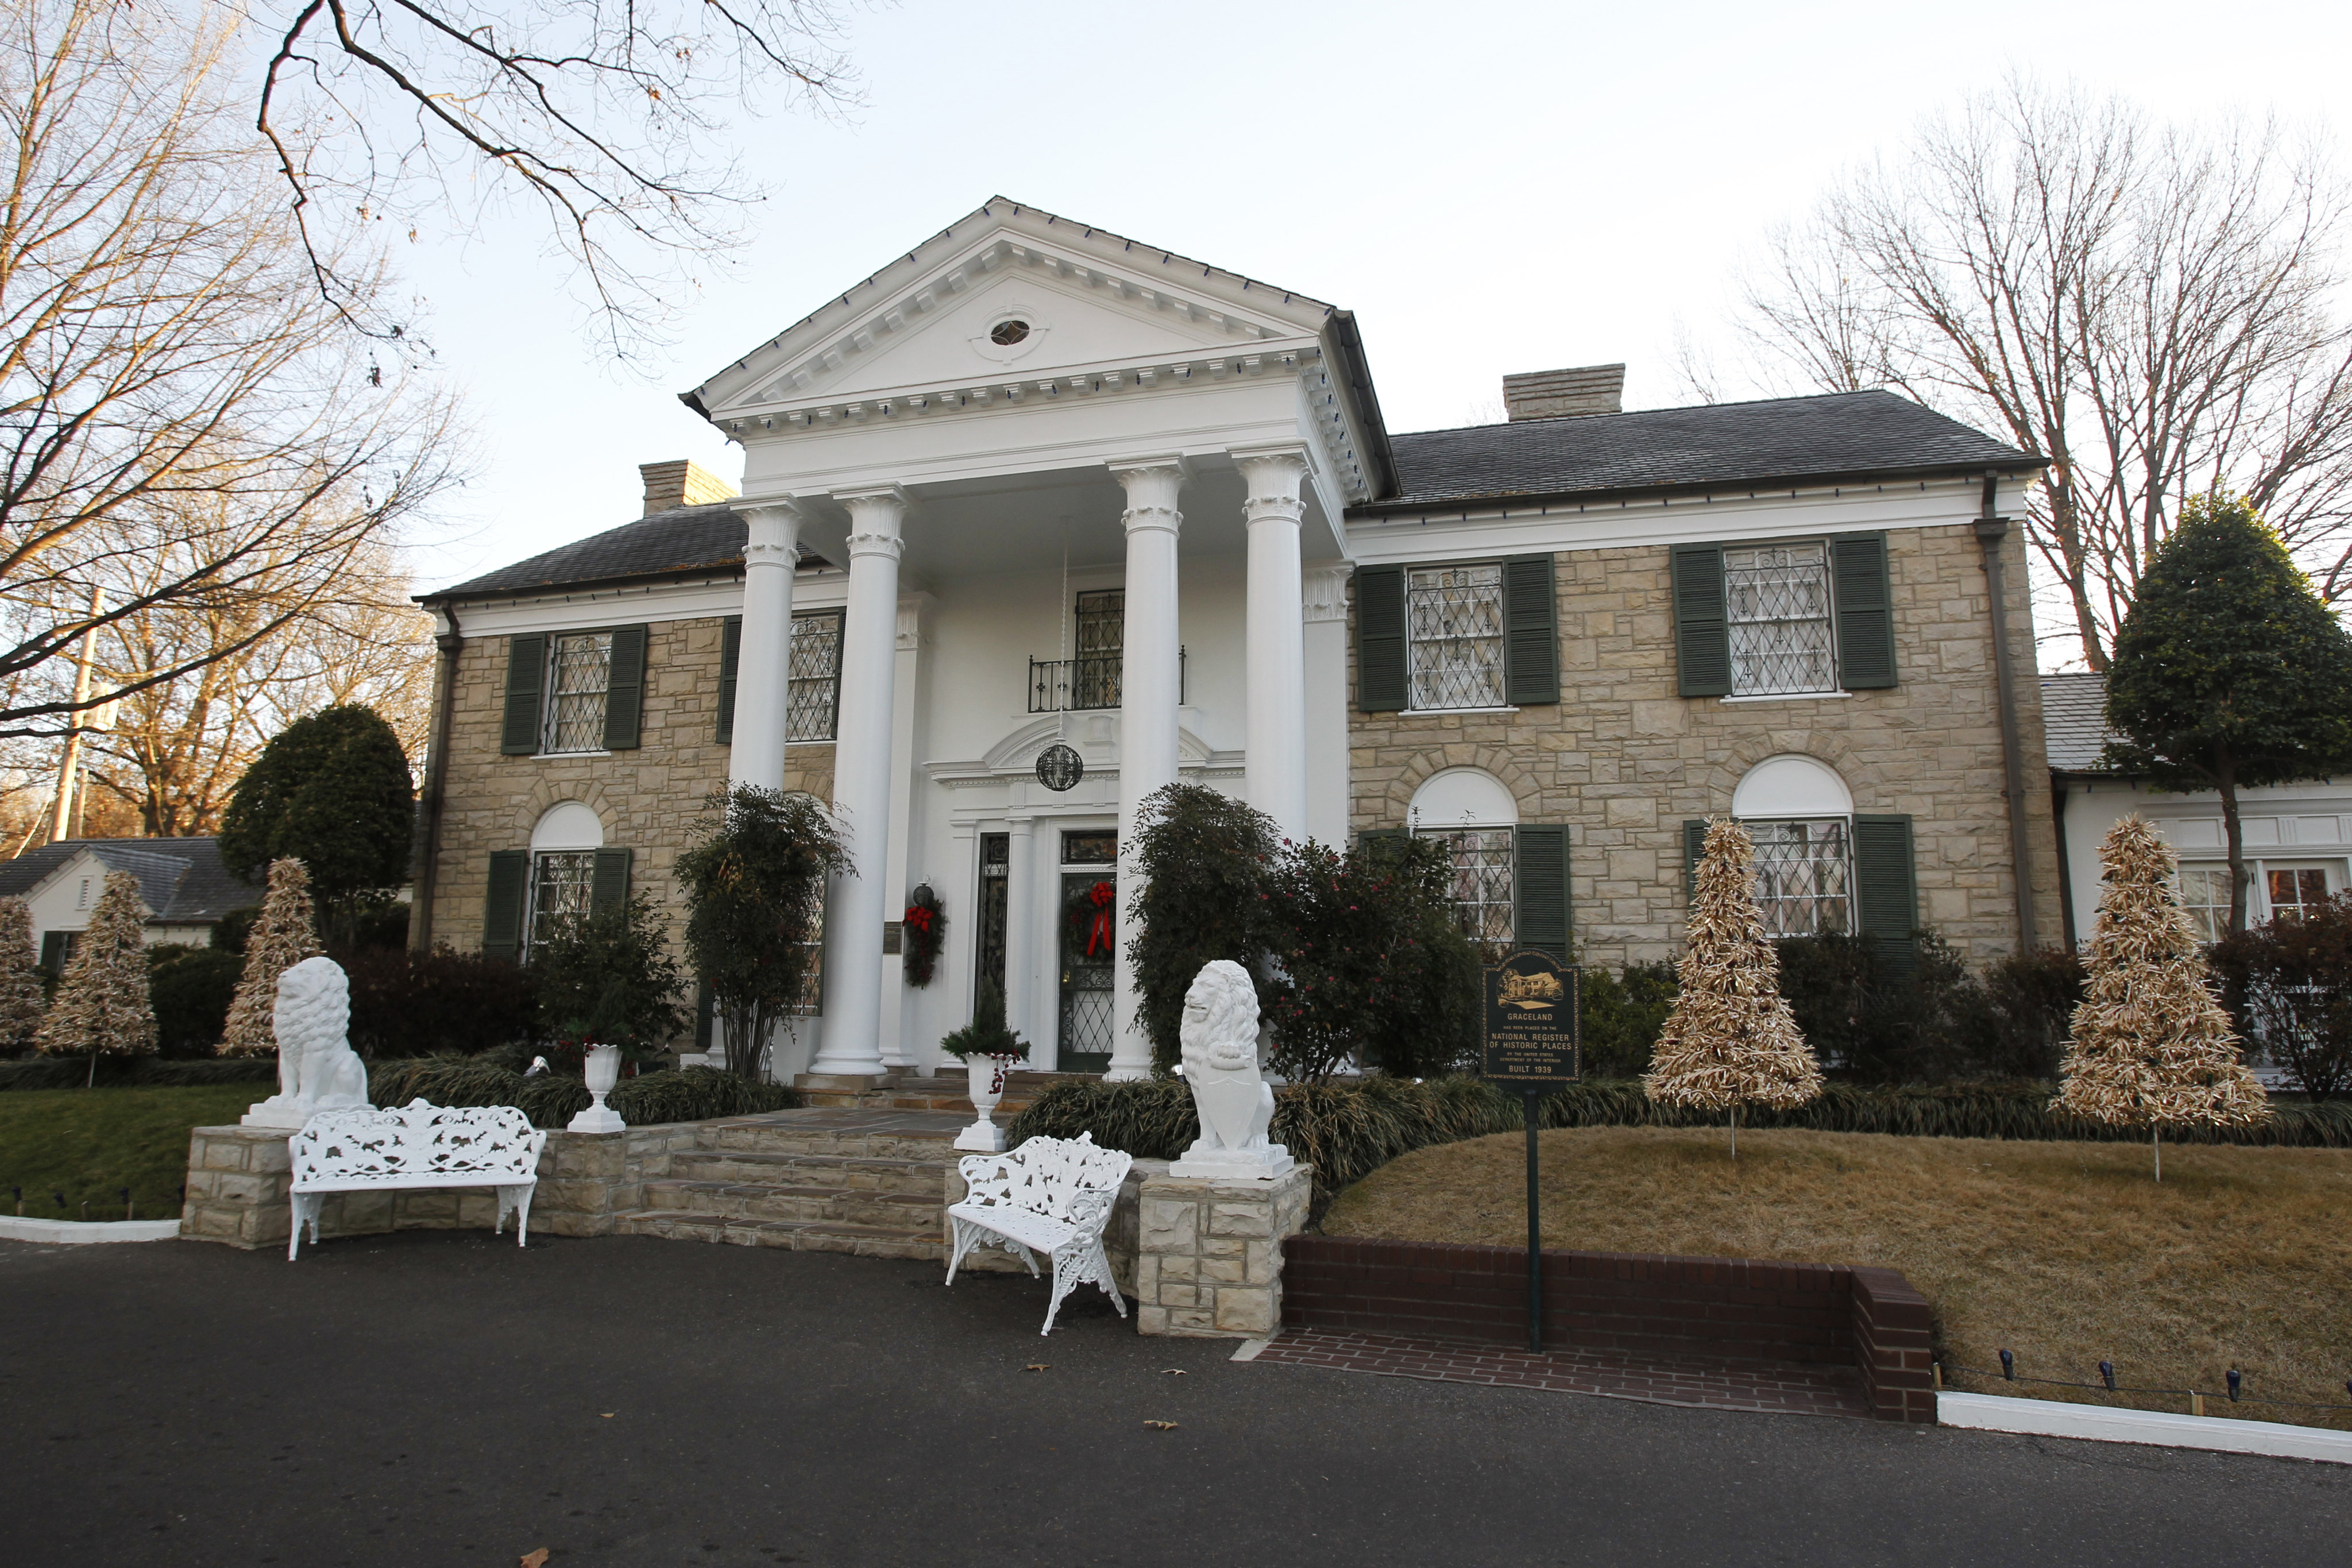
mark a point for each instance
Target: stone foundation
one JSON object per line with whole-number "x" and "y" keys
{"x": 1208, "y": 1254}
{"x": 240, "y": 1181}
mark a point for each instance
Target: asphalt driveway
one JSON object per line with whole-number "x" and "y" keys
{"x": 443, "y": 1398}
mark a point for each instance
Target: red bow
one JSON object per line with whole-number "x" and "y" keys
{"x": 1100, "y": 895}
{"x": 919, "y": 918}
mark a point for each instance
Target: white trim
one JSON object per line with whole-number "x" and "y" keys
{"x": 651, "y": 603}
{"x": 1416, "y": 712}
{"x": 1785, "y": 697}
{"x": 18, "y": 1227}
{"x": 2098, "y": 1424}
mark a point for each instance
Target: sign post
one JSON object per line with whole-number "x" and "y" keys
{"x": 1530, "y": 1044}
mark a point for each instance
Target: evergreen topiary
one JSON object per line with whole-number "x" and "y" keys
{"x": 755, "y": 881}
{"x": 986, "y": 1034}
{"x": 283, "y": 935}
{"x": 102, "y": 1007}
{"x": 333, "y": 791}
{"x": 2229, "y": 672}
{"x": 2152, "y": 1047}
{"x": 1731, "y": 1039}
{"x": 1201, "y": 861}
{"x": 21, "y": 1001}
{"x": 610, "y": 980}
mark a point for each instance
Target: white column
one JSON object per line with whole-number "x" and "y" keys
{"x": 861, "y": 787}
{"x": 1149, "y": 686}
{"x": 763, "y": 651}
{"x": 1021, "y": 940}
{"x": 900, "y": 1052}
{"x": 1275, "y": 726}
{"x": 1325, "y": 600}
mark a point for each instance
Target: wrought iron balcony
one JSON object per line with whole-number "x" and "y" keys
{"x": 1077, "y": 685}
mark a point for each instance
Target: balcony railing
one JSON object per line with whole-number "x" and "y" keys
{"x": 1077, "y": 685}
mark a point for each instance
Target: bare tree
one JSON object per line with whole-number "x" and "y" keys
{"x": 185, "y": 424}
{"x": 598, "y": 113}
{"x": 2146, "y": 305}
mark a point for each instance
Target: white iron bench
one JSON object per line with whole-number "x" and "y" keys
{"x": 418, "y": 1145}
{"x": 1054, "y": 1196}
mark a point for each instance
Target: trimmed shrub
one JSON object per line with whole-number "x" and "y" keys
{"x": 2289, "y": 982}
{"x": 694, "y": 1094}
{"x": 1618, "y": 1017}
{"x": 191, "y": 989}
{"x": 423, "y": 1003}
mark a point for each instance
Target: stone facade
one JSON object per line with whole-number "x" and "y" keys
{"x": 1626, "y": 761}
{"x": 647, "y": 798}
{"x": 1209, "y": 1253}
{"x": 241, "y": 1184}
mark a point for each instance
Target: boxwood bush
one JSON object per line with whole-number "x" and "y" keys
{"x": 694, "y": 1094}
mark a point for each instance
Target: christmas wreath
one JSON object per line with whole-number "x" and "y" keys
{"x": 923, "y": 929}
{"x": 1090, "y": 913}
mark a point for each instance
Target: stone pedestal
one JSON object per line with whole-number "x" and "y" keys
{"x": 1208, "y": 1257}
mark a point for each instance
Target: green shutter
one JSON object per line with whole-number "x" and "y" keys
{"x": 1380, "y": 683}
{"x": 1541, "y": 918}
{"x": 502, "y": 910}
{"x": 731, "y": 657}
{"x": 1531, "y": 631}
{"x": 624, "y": 695}
{"x": 1702, "y": 632}
{"x": 1694, "y": 846}
{"x": 702, "y": 1018}
{"x": 608, "y": 881}
{"x": 1865, "y": 612}
{"x": 1886, "y": 889}
{"x": 526, "y": 673}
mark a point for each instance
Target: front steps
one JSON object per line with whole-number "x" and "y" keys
{"x": 947, "y": 1091}
{"x": 867, "y": 1180}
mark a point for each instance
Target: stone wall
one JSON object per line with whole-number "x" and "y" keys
{"x": 241, "y": 1184}
{"x": 649, "y": 797}
{"x": 1624, "y": 761}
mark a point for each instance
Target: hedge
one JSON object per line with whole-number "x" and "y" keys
{"x": 693, "y": 1094}
{"x": 1348, "y": 1130}
{"x": 150, "y": 1072}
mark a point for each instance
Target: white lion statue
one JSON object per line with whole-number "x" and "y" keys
{"x": 1219, "y": 1035}
{"x": 317, "y": 1068}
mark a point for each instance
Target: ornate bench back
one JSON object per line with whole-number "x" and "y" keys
{"x": 1068, "y": 1178}
{"x": 490, "y": 1143}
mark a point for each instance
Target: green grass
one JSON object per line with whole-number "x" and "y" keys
{"x": 91, "y": 1143}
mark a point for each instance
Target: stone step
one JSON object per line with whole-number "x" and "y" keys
{"x": 918, "y": 1178}
{"x": 799, "y": 1235}
{"x": 785, "y": 1138}
{"x": 759, "y": 1200}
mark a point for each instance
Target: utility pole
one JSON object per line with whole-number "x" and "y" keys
{"x": 65, "y": 819}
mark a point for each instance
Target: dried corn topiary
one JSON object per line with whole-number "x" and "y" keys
{"x": 2152, "y": 1047}
{"x": 286, "y": 934}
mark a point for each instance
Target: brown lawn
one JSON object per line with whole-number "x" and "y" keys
{"x": 2065, "y": 1253}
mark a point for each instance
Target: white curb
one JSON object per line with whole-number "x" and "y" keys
{"x": 2055, "y": 1419}
{"x": 18, "y": 1227}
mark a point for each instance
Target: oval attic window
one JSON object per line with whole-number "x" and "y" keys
{"x": 1005, "y": 334}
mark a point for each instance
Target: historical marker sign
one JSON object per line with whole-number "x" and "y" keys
{"x": 1530, "y": 1023}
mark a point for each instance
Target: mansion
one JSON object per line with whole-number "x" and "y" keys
{"x": 1037, "y": 519}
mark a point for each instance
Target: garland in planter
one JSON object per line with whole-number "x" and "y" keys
{"x": 923, "y": 932}
{"x": 1089, "y": 914}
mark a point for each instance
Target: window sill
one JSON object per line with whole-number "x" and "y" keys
{"x": 562, "y": 756}
{"x": 1440, "y": 713}
{"x": 1787, "y": 697}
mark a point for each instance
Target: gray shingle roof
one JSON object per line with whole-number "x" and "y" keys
{"x": 182, "y": 880}
{"x": 2074, "y": 720}
{"x": 1779, "y": 441}
{"x": 682, "y": 540}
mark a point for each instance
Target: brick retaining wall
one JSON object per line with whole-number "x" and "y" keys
{"x": 1641, "y": 1303}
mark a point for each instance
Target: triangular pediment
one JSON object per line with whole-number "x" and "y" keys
{"x": 942, "y": 316}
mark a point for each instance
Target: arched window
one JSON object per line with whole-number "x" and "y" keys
{"x": 562, "y": 869}
{"x": 1477, "y": 817}
{"x": 1801, "y": 815}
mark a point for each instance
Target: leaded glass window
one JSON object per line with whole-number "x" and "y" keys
{"x": 1484, "y": 887}
{"x": 1804, "y": 877}
{"x": 1778, "y": 598}
{"x": 2205, "y": 894}
{"x": 579, "y": 676}
{"x": 1455, "y": 618}
{"x": 812, "y": 700}
{"x": 559, "y": 892}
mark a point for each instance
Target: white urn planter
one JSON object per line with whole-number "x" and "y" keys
{"x": 603, "y": 1071}
{"x": 984, "y": 1077}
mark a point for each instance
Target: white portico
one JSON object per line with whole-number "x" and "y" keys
{"x": 1067, "y": 491}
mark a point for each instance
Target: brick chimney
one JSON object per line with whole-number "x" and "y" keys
{"x": 682, "y": 481}
{"x": 1554, "y": 394}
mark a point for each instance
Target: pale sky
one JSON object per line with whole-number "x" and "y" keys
{"x": 1490, "y": 187}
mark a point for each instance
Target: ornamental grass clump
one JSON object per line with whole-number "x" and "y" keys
{"x": 102, "y": 1007}
{"x": 286, "y": 934}
{"x": 2152, "y": 1047}
{"x": 21, "y": 1005}
{"x": 1731, "y": 1039}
